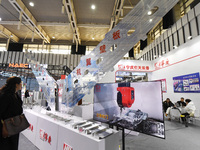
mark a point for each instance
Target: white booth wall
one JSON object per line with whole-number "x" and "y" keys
{"x": 182, "y": 61}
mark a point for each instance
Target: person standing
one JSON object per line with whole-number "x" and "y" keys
{"x": 27, "y": 96}
{"x": 10, "y": 106}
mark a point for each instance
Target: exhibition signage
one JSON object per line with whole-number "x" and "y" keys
{"x": 16, "y": 65}
{"x": 187, "y": 83}
{"x": 162, "y": 63}
{"x": 67, "y": 147}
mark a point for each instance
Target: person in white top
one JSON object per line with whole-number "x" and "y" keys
{"x": 190, "y": 109}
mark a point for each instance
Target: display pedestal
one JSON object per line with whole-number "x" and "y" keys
{"x": 84, "y": 111}
{"x": 48, "y": 133}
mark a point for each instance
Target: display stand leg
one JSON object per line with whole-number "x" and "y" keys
{"x": 123, "y": 139}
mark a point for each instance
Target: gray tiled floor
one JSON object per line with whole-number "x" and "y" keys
{"x": 178, "y": 137}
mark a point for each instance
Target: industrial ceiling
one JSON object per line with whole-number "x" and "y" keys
{"x": 60, "y": 21}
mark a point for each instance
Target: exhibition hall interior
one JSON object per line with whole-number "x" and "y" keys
{"x": 100, "y": 74}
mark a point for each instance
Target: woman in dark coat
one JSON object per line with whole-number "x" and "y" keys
{"x": 10, "y": 106}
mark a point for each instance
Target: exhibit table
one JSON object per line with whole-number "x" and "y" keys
{"x": 47, "y": 132}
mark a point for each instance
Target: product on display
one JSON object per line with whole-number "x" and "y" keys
{"x": 135, "y": 106}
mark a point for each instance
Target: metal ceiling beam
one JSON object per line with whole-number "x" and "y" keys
{"x": 26, "y": 14}
{"x": 5, "y": 32}
{"x": 58, "y": 24}
{"x": 69, "y": 7}
{"x": 116, "y": 13}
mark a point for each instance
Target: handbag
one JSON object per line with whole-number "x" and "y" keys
{"x": 14, "y": 125}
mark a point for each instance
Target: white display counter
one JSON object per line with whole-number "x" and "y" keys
{"x": 49, "y": 133}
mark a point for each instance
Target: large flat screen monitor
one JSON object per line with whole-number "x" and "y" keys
{"x": 135, "y": 106}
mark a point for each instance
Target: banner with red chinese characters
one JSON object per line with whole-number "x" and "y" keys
{"x": 134, "y": 65}
{"x": 46, "y": 134}
{"x": 30, "y": 132}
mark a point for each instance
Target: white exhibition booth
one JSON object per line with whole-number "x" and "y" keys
{"x": 48, "y": 133}
{"x": 181, "y": 61}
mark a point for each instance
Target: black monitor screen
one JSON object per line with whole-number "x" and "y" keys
{"x": 135, "y": 106}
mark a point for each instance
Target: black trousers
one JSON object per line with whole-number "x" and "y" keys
{"x": 10, "y": 143}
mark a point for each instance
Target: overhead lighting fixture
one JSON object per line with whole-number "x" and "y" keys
{"x": 150, "y": 20}
{"x": 11, "y": 35}
{"x": 93, "y": 38}
{"x": 93, "y": 6}
{"x": 149, "y": 13}
{"x": 31, "y": 4}
{"x": 53, "y": 37}
{"x": 0, "y": 19}
{"x": 175, "y": 47}
{"x": 189, "y": 37}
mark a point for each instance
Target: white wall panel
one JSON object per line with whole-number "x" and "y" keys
{"x": 16, "y": 59}
{"x": 54, "y": 59}
{"x": 194, "y": 31}
{"x": 180, "y": 35}
{"x": 20, "y": 57}
{"x": 187, "y": 32}
{"x": 61, "y": 60}
{"x": 13, "y": 56}
{"x": 1, "y": 58}
{"x": 5, "y": 57}
{"x": 39, "y": 57}
{"x": 175, "y": 37}
{"x": 171, "y": 42}
{"x": 71, "y": 62}
{"x": 43, "y": 58}
{"x": 46, "y": 59}
{"x": 10, "y": 56}
{"x": 24, "y": 60}
{"x": 57, "y": 59}
{"x": 50, "y": 59}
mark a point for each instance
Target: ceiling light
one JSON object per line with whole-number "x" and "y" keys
{"x": 53, "y": 37}
{"x": 31, "y": 4}
{"x": 150, "y": 20}
{"x": 189, "y": 37}
{"x": 93, "y": 6}
{"x": 0, "y": 19}
{"x": 149, "y": 13}
{"x": 93, "y": 38}
{"x": 11, "y": 35}
{"x": 175, "y": 47}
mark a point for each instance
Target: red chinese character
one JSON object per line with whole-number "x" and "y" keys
{"x": 98, "y": 88}
{"x": 41, "y": 134}
{"x": 29, "y": 126}
{"x": 45, "y": 136}
{"x": 139, "y": 67}
{"x": 116, "y": 35}
{"x": 88, "y": 61}
{"x": 135, "y": 67}
{"x": 147, "y": 67}
{"x": 49, "y": 140}
{"x": 143, "y": 67}
{"x": 167, "y": 62}
{"x": 127, "y": 67}
{"x": 102, "y": 49}
{"x": 162, "y": 63}
{"x": 32, "y": 128}
{"x": 78, "y": 71}
{"x": 131, "y": 67}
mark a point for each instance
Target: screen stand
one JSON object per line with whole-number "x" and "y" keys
{"x": 123, "y": 134}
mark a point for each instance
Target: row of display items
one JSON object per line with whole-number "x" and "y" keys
{"x": 87, "y": 127}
